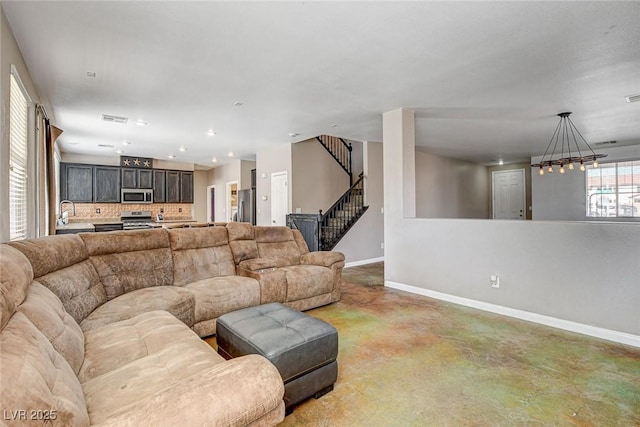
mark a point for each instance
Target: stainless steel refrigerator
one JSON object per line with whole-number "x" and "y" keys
{"x": 247, "y": 206}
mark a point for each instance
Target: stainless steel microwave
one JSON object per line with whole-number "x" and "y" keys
{"x": 131, "y": 195}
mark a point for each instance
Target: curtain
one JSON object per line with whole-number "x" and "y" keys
{"x": 48, "y": 171}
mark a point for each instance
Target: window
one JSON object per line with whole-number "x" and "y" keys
{"x": 18, "y": 137}
{"x": 613, "y": 190}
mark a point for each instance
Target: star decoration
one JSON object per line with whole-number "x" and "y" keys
{"x": 136, "y": 162}
{"x": 126, "y": 162}
{"x": 147, "y": 164}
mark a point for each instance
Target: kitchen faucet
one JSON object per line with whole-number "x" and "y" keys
{"x": 73, "y": 208}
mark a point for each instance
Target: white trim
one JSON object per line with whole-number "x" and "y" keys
{"x": 580, "y": 328}
{"x": 363, "y": 262}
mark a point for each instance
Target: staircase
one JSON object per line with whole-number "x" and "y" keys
{"x": 324, "y": 230}
{"x": 340, "y": 217}
{"x": 340, "y": 151}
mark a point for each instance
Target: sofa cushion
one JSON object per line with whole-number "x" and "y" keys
{"x": 117, "y": 344}
{"x": 219, "y": 295}
{"x": 176, "y": 300}
{"x": 16, "y": 275}
{"x": 278, "y": 243}
{"x": 242, "y": 241}
{"x": 130, "y": 260}
{"x": 61, "y": 263}
{"x": 304, "y": 281}
{"x": 200, "y": 254}
{"x": 44, "y": 309}
{"x": 35, "y": 377}
{"x": 116, "y": 390}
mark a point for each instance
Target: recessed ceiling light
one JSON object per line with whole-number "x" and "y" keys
{"x": 293, "y": 134}
{"x": 171, "y": 156}
{"x": 230, "y": 154}
{"x": 334, "y": 125}
{"x": 238, "y": 104}
{"x": 182, "y": 148}
{"x": 214, "y": 160}
{"x": 211, "y": 132}
{"x": 91, "y": 74}
{"x": 125, "y": 142}
{"x": 119, "y": 151}
{"x": 141, "y": 123}
{"x": 501, "y": 162}
{"x": 633, "y": 98}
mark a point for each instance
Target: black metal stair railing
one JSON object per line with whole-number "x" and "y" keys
{"x": 340, "y": 150}
{"x": 340, "y": 217}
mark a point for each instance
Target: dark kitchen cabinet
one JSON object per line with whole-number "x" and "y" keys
{"x": 173, "y": 187}
{"x": 106, "y": 184}
{"x": 137, "y": 178}
{"x": 186, "y": 187}
{"x": 145, "y": 178}
{"x": 159, "y": 186}
{"x": 179, "y": 187}
{"x": 76, "y": 182}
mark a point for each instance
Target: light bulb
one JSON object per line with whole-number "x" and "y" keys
{"x": 561, "y": 168}
{"x": 541, "y": 171}
{"x": 570, "y": 165}
{"x": 550, "y": 170}
{"x": 595, "y": 163}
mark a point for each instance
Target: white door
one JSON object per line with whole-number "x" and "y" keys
{"x": 508, "y": 194}
{"x": 279, "y": 198}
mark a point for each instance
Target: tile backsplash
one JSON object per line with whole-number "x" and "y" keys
{"x": 172, "y": 211}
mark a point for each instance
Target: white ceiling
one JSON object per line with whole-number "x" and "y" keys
{"x": 486, "y": 79}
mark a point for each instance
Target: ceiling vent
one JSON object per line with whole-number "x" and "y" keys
{"x": 106, "y": 146}
{"x": 606, "y": 143}
{"x": 114, "y": 119}
{"x": 633, "y": 98}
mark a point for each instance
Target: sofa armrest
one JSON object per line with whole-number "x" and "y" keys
{"x": 272, "y": 281}
{"x": 233, "y": 393}
{"x": 257, "y": 264}
{"x": 323, "y": 258}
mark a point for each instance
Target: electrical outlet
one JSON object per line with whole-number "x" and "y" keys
{"x": 161, "y": 210}
{"x": 179, "y": 209}
{"x": 494, "y": 281}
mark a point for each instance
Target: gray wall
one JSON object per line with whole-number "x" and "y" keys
{"x": 317, "y": 181}
{"x": 363, "y": 242}
{"x": 270, "y": 160}
{"x": 584, "y": 272}
{"x": 450, "y": 188}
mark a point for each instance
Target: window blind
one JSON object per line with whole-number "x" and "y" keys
{"x": 18, "y": 131}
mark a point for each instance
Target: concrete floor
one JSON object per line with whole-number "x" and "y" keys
{"x": 408, "y": 360}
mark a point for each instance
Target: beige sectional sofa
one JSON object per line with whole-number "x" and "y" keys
{"x": 98, "y": 328}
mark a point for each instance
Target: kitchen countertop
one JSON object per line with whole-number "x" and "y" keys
{"x": 76, "y": 226}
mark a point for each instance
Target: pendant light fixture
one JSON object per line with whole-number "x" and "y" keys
{"x": 566, "y": 144}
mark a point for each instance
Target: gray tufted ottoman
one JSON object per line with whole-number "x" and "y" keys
{"x": 303, "y": 349}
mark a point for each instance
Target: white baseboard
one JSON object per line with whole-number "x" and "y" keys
{"x": 363, "y": 262}
{"x": 580, "y": 328}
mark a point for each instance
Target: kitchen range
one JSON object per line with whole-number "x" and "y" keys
{"x": 135, "y": 220}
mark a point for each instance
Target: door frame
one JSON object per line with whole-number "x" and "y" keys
{"x": 210, "y": 218}
{"x": 227, "y": 196}
{"x": 524, "y": 191}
